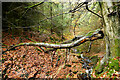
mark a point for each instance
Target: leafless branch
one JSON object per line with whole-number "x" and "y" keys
{"x": 92, "y": 11}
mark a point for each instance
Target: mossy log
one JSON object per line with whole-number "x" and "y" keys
{"x": 97, "y": 34}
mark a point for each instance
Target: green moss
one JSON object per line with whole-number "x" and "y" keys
{"x": 20, "y": 44}
{"x": 4, "y": 44}
{"x": 116, "y": 48}
{"x": 91, "y": 32}
{"x": 110, "y": 67}
{"x": 38, "y": 49}
{"x": 3, "y": 60}
{"x": 67, "y": 75}
{"x": 99, "y": 68}
{"x": 114, "y": 64}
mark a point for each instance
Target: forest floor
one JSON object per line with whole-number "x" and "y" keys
{"x": 31, "y": 61}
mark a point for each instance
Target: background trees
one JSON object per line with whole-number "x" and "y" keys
{"x": 54, "y": 22}
{"x": 53, "y": 17}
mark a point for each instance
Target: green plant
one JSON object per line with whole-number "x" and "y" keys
{"x": 114, "y": 64}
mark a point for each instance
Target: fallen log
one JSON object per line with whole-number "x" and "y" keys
{"x": 91, "y": 36}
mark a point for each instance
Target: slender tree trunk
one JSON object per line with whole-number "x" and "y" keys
{"x": 111, "y": 16}
{"x": 62, "y": 22}
{"x": 51, "y": 18}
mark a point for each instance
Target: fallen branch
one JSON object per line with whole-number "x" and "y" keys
{"x": 65, "y": 42}
{"x": 91, "y": 36}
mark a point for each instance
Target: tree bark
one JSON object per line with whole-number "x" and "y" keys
{"x": 111, "y": 16}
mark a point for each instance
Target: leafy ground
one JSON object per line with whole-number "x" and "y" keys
{"x": 31, "y": 61}
{"x": 28, "y": 61}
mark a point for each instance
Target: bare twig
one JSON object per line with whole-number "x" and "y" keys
{"x": 28, "y": 8}
{"x": 89, "y": 48}
{"x": 92, "y": 11}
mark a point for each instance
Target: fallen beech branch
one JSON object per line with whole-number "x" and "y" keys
{"x": 91, "y": 36}
{"x": 65, "y": 42}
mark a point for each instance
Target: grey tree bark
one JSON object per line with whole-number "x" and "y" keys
{"x": 111, "y": 15}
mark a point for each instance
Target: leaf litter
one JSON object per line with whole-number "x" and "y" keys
{"x": 29, "y": 62}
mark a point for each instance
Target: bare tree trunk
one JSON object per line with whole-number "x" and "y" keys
{"x": 51, "y": 18}
{"x": 111, "y": 15}
{"x": 62, "y": 22}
